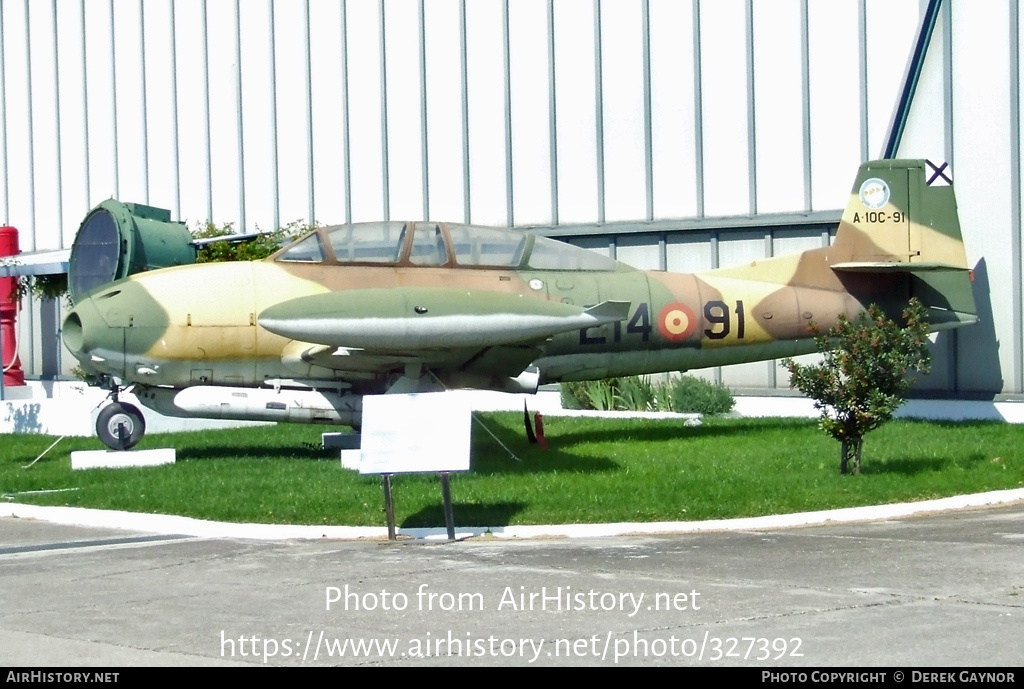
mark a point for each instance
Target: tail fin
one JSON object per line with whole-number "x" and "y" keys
{"x": 902, "y": 219}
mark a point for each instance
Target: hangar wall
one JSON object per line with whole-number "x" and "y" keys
{"x": 676, "y": 135}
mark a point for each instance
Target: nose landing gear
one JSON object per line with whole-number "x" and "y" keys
{"x": 120, "y": 426}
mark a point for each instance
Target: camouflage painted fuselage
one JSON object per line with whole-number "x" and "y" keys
{"x": 446, "y": 305}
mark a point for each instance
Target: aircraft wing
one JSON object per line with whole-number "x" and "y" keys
{"x": 308, "y": 360}
{"x": 415, "y": 321}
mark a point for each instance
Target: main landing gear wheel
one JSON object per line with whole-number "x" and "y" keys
{"x": 117, "y": 414}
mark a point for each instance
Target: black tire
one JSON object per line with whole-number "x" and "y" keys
{"x": 112, "y": 416}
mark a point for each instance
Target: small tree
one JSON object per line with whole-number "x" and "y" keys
{"x": 864, "y": 375}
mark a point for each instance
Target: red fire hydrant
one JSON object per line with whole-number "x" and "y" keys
{"x": 12, "y": 372}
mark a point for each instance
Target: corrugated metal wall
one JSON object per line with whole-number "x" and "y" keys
{"x": 611, "y": 120}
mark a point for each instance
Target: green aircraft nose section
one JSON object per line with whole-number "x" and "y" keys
{"x": 118, "y": 321}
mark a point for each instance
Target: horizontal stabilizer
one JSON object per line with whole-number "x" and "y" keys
{"x": 894, "y": 267}
{"x": 942, "y": 319}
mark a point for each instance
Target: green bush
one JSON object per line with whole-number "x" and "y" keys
{"x": 684, "y": 394}
{"x": 691, "y": 395}
{"x": 574, "y": 394}
{"x": 635, "y": 393}
{"x": 253, "y": 249}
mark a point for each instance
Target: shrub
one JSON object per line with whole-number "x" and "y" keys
{"x": 692, "y": 395}
{"x": 685, "y": 394}
{"x": 864, "y": 374}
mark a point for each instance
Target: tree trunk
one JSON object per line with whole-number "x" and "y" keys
{"x": 851, "y": 450}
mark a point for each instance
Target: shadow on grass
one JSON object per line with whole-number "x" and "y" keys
{"x": 488, "y": 458}
{"x": 256, "y": 452}
{"x": 466, "y": 514}
{"x": 661, "y": 431}
{"x": 912, "y": 466}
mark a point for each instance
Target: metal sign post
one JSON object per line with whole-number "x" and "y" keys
{"x": 415, "y": 432}
{"x": 449, "y": 516}
{"x": 389, "y": 507}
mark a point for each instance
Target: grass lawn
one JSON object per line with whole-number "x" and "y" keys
{"x": 597, "y": 470}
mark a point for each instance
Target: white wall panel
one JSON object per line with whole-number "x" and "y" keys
{"x": 487, "y": 177}
{"x": 892, "y": 27}
{"x": 74, "y": 199}
{"x": 724, "y": 88}
{"x": 328, "y": 112}
{"x": 623, "y": 110}
{"x": 159, "y": 124}
{"x": 159, "y": 128}
{"x": 778, "y": 106}
{"x": 927, "y": 129}
{"x": 531, "y": 123}
{"x": 673, "y": 111}
{"x": 405, "y": 125}
{"x": 44, "y": 123}
{"x": 192, "y": 116}
{"x": 260, "y": 112}
{"x": 795, "y": 241}
{"x": 293, "y": 125}
{"x": 599, "y": 244}
{"x": 835, "y": 101}
{"x": 223, "y": 113}
{"x": 640, "y": 251}
{"x": 133, "y": 172}
{"x": 576, "y": 114}
{"x": 444, "y": 110}
{"x": 982, "y": 167}
{"x": 689, "y": 252}
{"x": 19, "y": 150}
{"x": 740, "y": 248}
{"x": 364, "y": 89}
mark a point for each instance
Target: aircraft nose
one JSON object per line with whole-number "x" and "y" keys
{"x": 72, "y": 333}
{"x": 80, "y": 329}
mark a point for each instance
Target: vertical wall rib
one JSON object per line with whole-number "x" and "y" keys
{"x": 31, "y": 243}
{"x": 346, "y": 134}
{"x": 274, "y": 145}
{"x": 751, "y": 106}
{"x": 645, "y": 23}
{"x": 56, "y": 112}
{"x": 310, "y": 156}
{"x": 947, "y": 90}
{"x": 6, "y": 218}
{"x": 206, "y": 112}
{"x": 424, "y": 145}
{"x": 862, "y": 63}
{"x": 698, "y": 115}
{"x": 464, "y": 95}
{"x": 175, "y": 152}
{"x": 385, "y": 173}
{"x": 507, "y": 75}
{"x": 599, "y": 110}
{"x": 113, "y": 100}
{"x": 805, "y": 105}
{"x": 552, "y": 113}
{"x": 1015, "y": 196}
{"x": 144, "y": 104}
{"x": 238, "y": 118}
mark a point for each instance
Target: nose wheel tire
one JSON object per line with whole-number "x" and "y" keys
{"x": 115, "y": 415}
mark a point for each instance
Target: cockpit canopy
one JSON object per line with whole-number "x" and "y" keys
{"x": 439, "y": 245}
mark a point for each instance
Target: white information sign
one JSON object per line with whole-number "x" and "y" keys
{"x": 424, "y": 431}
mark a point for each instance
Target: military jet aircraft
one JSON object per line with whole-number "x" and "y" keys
{"x": 384, "y": 307}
